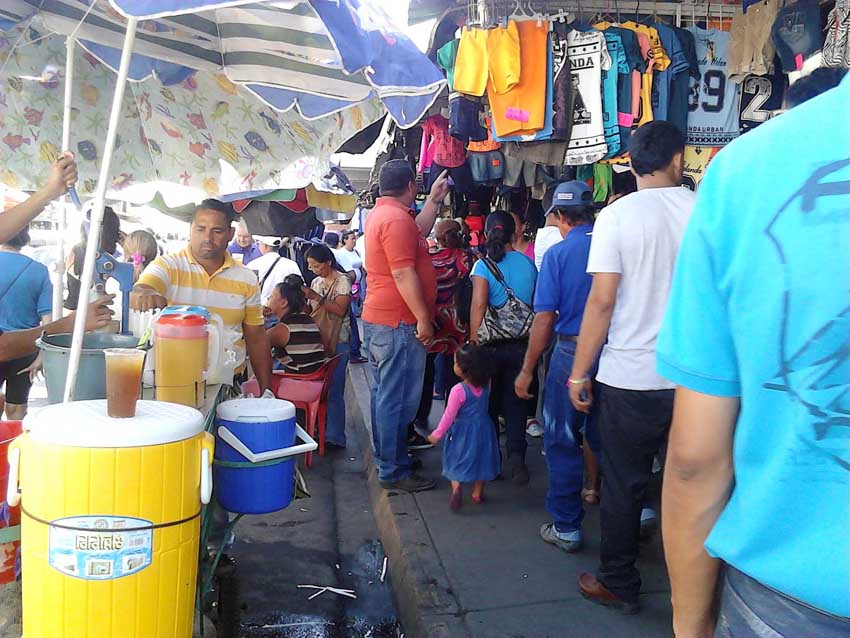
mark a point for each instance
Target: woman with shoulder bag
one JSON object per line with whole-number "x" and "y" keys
{"x": 330, "y": 295}
{"x": 500, "y": 320}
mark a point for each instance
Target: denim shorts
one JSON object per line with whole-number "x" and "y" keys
{"x": 486, "y": 167}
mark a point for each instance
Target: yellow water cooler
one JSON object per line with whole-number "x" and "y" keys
{"x": 110, "y": 519}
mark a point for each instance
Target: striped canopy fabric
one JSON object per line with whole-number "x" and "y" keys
{"x": 318, "y": 56}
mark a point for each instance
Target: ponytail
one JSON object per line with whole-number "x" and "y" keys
{"x": 500, "y": 229}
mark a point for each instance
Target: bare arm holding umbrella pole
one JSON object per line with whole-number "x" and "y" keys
{"x": 63, "y": 174}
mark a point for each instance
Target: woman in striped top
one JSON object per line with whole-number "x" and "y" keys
{"x": 296, "y": 340}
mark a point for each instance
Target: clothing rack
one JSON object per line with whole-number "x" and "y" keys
{"x": 490, "y": 12}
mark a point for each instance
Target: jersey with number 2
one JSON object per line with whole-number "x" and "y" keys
{"x": 713, "y": 101}
{"x": 761, "y": 99}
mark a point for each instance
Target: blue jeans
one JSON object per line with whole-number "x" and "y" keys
{"x": 561, "y": 426}
{"x": 355, "y": 332}
{"x": 335, "y": 429}
{"x": 396, "y": 370}
{"x": 748, "y": 609}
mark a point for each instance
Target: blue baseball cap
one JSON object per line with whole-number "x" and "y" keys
{"x": 574, "y": 193}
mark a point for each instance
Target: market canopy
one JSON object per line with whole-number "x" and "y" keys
{"x": 318, "y": 56}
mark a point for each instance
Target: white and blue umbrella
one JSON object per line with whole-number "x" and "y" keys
{"x": 317, "y": 56}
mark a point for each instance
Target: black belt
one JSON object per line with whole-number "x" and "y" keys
{"x": 570, "y": 338}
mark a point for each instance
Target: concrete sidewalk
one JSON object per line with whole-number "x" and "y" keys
{"x": 484, "y": 572}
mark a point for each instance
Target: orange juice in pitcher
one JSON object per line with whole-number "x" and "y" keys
{"x": 181, "y": 346}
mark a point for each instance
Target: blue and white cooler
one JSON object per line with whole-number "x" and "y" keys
{"x": 255, "y": 454}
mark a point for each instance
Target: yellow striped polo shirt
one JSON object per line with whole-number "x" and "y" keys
{"x": 232, "y": 292}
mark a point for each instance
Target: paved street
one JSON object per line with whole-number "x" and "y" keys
{"x": 485, "y": 573}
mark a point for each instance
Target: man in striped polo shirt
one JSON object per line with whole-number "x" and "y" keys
{"x": 204, "y": 274}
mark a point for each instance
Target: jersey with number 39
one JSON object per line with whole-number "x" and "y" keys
{"x": 761, "y": 98}
{"x": 713, "y": 101}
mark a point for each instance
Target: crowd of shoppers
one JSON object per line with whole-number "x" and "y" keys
{"x": 680, "y": 328}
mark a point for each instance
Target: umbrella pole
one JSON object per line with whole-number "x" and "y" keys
{"x": 59, "y": 284}
{"x": 93, "y": 241}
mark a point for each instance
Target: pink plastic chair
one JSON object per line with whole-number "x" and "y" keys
{"x": 308, "y": 392}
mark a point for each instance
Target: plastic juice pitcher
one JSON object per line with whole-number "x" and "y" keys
{"x": 181, "y": 345}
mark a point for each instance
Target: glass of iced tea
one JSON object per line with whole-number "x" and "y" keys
{"x": 124, "y": 368}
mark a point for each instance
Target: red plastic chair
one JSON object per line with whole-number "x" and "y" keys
{"x": 308, "y": 392}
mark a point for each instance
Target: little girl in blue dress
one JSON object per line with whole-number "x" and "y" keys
{"x": 471, "y": 451}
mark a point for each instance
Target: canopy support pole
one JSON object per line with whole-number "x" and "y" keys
{"x": 93, "y": 242}
{"x": 59, "y": 284}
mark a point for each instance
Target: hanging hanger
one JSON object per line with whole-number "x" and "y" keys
{"x": 607, "y": 17}
{"x": 693, "y": 14}
{"x": 617, "y": 7}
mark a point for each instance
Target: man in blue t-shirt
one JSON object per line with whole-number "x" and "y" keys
{"x": 757, "y": 337}
{"x": 559, "y": 300}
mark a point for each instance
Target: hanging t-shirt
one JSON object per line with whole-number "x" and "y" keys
{"x": 761, "y": 98}
{"x": 658, "y": 61}
{"x": 642, "y": 83}
{"x": 446, "y": 56}
{"x": 636, "y": 64}
{"x": 696, "y": 160}
{"x": 545, "y": 133}
{"x": 588, "y": 58}
{"x": 664, "y": 79}
{"x": 619, "y": 65}
{"x": 677, "y": 113}
{"x": 521, "y": 110}
{"x": 713, "y": 109}
{"x": 564, "y": 92}
{"x": 449, "y": 152}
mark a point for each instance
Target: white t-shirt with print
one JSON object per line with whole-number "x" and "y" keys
{"x": 638, "y": 237}
{"x": 588, "y": 58}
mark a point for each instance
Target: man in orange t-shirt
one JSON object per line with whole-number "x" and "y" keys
{"x": 398, "y": 315}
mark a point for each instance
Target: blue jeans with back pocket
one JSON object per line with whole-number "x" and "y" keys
{"x": 396, "y": 371}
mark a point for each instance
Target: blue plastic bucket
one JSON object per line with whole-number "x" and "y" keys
{"x": 261, "y": 425}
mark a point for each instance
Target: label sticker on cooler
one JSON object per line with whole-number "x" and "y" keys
{"x": 100, "y": 547}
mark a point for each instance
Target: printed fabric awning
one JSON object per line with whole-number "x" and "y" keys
{"x": 318, "y": 56}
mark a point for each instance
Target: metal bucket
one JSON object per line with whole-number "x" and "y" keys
{"x": 91, "y": 378}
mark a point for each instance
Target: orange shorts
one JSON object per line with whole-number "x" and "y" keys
{"x": 487, "y": 55}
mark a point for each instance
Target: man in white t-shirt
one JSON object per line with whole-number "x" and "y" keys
{"x": 635, "y": 243}
{"x": 272, "y": 268}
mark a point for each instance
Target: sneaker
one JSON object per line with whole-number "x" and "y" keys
{"x": 570, "y": 542}
{"x": 418, "y": 442}
{"x": 358, "y": 359}
{"x": 648, "y": 523}
{"x": 534, "y": 429}
{"x": 413, "y": 483}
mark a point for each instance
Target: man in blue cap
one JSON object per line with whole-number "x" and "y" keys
{"x": 562, "y": 289}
